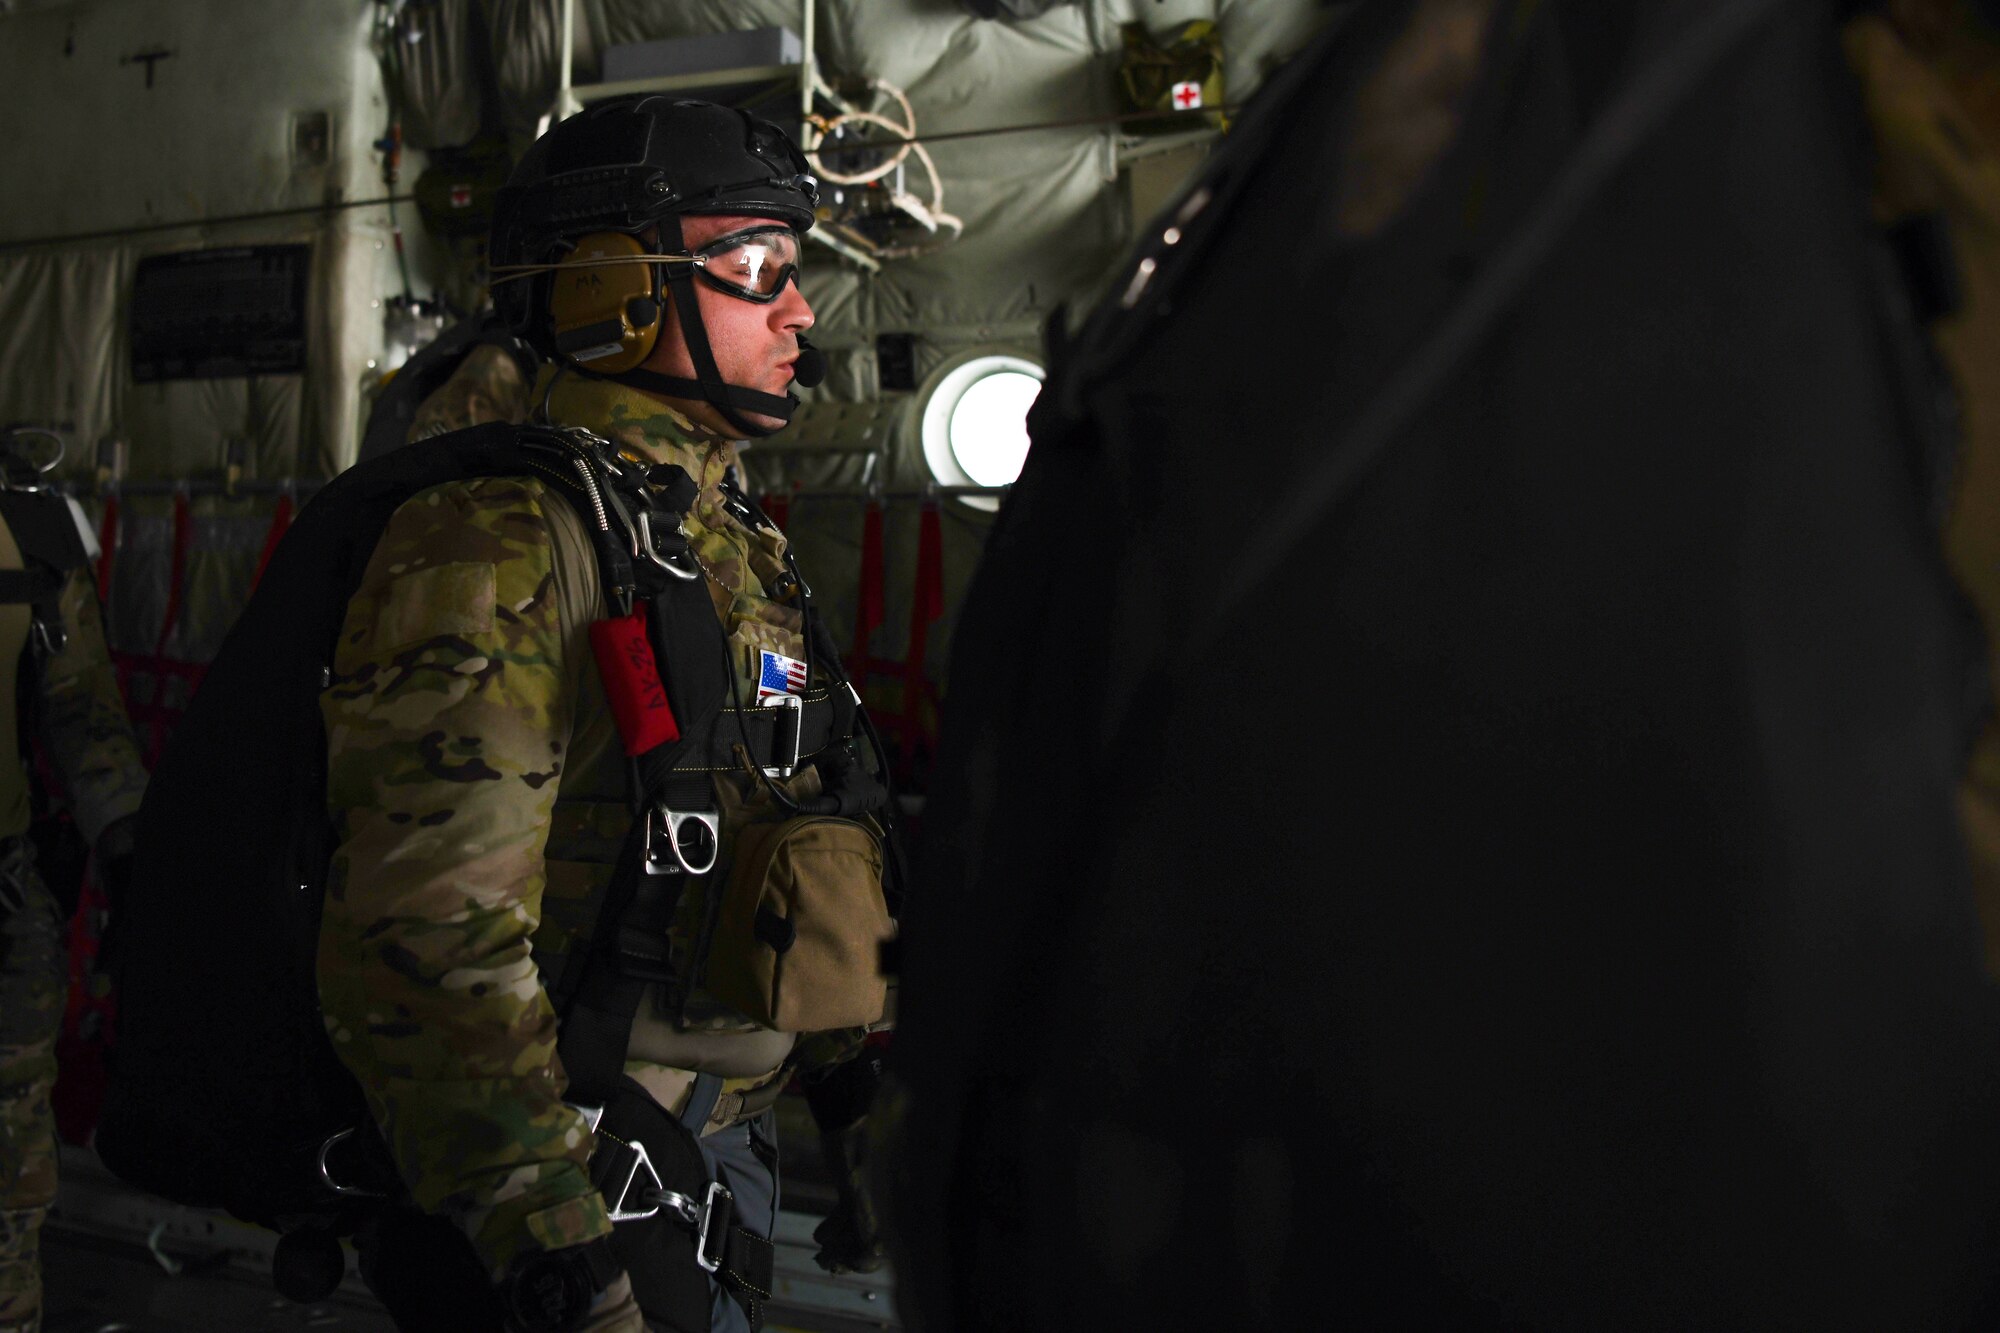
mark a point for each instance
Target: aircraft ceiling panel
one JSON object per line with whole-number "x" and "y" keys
{"x": 617, "y": 21}
{"x": 972, "y": 73}
{"x": 435, "y": 50}
{"x": 1037, "y": 230}
{"x": 1258, "y": 34}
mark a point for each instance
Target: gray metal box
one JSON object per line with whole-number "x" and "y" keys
{"x": 713, "y": 52}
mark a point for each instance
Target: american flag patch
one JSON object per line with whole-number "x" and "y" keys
{"x": 778, "y": 674}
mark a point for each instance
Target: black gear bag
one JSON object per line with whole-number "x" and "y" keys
{"x": 225, "y": 1090}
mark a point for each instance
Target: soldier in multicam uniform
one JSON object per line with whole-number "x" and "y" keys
{"x": 488, "y": 385}
{"x": 481, "y": 792}
{"x": 82, "y": 722}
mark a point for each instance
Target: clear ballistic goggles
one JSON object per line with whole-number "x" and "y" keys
{"x": 754, "y": 265}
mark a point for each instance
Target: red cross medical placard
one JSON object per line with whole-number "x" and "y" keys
{"x": 1187, "y": 96}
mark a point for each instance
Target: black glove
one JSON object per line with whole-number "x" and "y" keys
{"x": 850, "y": 1239}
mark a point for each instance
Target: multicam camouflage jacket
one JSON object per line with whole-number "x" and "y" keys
{"x": 487, "y": 386}
{"x": 1930, "y": 77}
{"x": 81, "y": 719}
{"x": 480, "y": 790}
{"x": 79, "y": 713}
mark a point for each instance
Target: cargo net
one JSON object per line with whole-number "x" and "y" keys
{"x": 158, "y": 683}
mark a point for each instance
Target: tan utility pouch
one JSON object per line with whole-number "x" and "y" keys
{"x": 798, "y": 943}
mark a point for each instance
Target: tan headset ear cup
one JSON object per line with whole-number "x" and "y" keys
{"x": 591, "y": 306}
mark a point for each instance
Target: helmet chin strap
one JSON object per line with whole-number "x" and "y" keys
{"x": 731, "y": 400}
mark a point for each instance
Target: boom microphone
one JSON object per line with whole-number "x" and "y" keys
{"x": 810, "y": 368}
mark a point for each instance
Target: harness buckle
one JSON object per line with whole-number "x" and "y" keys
{"x": 796, "y": 706}
{"x": 710, "y": 1240}
{"x": 681, "y": 565}
{"x": 679, "y": 841}
{"x": 587, "y": 439}
{"x": 641, "y": 1161}
{"x": 716, "y": 1201}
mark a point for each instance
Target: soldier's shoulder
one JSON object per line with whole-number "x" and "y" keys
{"x": 479, "y": 494}
{"x": 488, "y": 385}
{"x": 477, "y": 519}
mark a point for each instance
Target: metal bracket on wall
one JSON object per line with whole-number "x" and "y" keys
{"x": 826, "y": 236}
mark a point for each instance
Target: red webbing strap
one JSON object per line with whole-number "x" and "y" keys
{"x": 107, "y": 546}
{"x": 868, "y": 601}
{"x": 158, "y": 716}
{"x": 90, "y": 1012}
{"x": 176, "y": 571}
{"x": 777, "y": 506}
{"x": 281, "y": 520}
{"x": 927, "y": 593}
{"x": 926, "y": 605}
{"x": 161, "y": 717}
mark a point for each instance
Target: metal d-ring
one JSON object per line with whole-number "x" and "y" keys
{"x": 663, "y": 840}
{"x": 326, "y": 1172}
{"x": 41, "y": 468}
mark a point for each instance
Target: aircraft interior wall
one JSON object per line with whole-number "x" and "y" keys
{"x": 160, "y": 129}
{"x": 170, "y": 127}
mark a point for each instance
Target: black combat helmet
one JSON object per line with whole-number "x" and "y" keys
{"x": 635, "y": 166}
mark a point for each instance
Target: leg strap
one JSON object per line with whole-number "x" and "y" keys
{"x": 675, "y": 1226}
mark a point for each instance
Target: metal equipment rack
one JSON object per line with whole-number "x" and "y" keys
{"x": 802, "y": 77}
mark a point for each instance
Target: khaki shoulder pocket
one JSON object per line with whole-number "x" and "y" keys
{"x": 798, "y": 942}
{"x": 453, "y": 599}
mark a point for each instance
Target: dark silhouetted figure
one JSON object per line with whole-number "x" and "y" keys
{"x": 1445, "y": 817}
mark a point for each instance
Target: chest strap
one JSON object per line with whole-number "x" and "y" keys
{"x": 29, "y": 586}
{"x": 777, "y": 737}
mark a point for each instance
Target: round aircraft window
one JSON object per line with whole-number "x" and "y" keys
{"x": 975, "y": 424}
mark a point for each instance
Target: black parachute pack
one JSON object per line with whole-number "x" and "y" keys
{"x": 225, "y": 1090}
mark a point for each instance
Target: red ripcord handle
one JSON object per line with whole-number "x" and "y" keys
{"x": 926, "y": 605}
{"x": 868, "y": 606}
{"x": 632, "y": 683}
{"x": 281, "y": 522}
{"x": 176, "y": 571}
